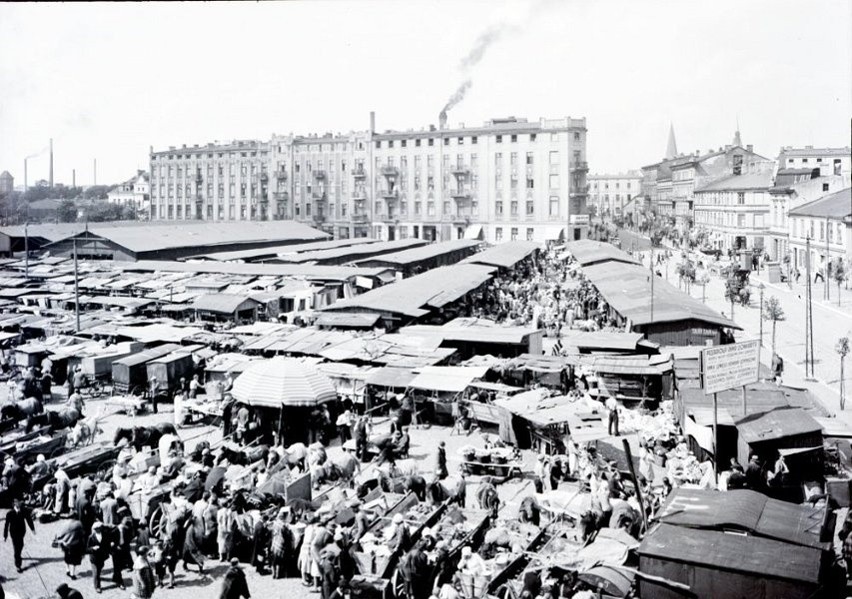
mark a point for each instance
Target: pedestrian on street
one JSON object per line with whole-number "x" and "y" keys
{"x": 121, "y": 558}
{"x": 143, "y": 576}
{"x": 194, "y": 386}
{"x": 441, "y": 471}
{"x": 612, "y": 407}
{"x": 99, "y": 549}
{"x": 66, "y": 592}
{"x": 153, "y": 392}
{"x": 72, "y": 541}
{"x": 234, "y": 585}
{"x": 17, "y": 520}
{"x": 777, "y": 368}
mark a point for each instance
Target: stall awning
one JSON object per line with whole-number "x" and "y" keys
{"x": 554, "y": 232}
{"x": 473, "y": 232}
{"x": 390, "y": 376}
{"x": 447, "y": 378}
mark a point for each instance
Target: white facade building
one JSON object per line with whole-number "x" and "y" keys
{"x": 134, "y": 193}
{"x": 609, "y": 194}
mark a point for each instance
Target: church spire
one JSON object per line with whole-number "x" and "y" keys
{"x": 737, "y": 139}
{"x": 671, "y": 148}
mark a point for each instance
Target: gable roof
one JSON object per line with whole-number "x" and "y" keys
{"x": 777, "y": 424}
{"x": 834, "y": 205}
{"x": 749, "y": 181}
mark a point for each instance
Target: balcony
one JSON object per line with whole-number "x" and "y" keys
{"x": 390, "y": 219}
{"x": 461, "y": 219}
{"x": 390, "y": 171}
{"x": 319, "y": 196}
{"x": 359, "y": 195}
{"x": 359, "y": 173}
{"x": 580, "y": 166}
{"x": 198, "y": 178}
{"x": 263, "y": 176}
{"x": 318, "y": 218}
{"x": 281, "y": 175}
{"x": 320, "y": 175}
{"x": 390, "y": 194}
{"x": 461, "y": 171}
{"x": 460, "y": 195}
{"x": 280, "y": 196}
{"x": 360, "y": 218}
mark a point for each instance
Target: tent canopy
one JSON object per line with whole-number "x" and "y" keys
{"x": 281, "y": 382}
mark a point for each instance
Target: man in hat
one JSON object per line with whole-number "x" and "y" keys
{"x": 99, "y": 549}
{"x": 153, "y": 393}
{"x": 17, "y": 520}
{"x": 400, "y": 539}
{"x": 234, "y": 584}
{"x": 143, "y": 576}
{"x": 66, "y": 592}
{"x": 109, "y": 509}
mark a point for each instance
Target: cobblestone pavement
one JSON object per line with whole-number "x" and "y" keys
{"x": 44, "y": 568}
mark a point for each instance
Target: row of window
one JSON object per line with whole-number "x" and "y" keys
{"x": 210, "y": 155}
{"x": 805, "y": 228}
{"x": 606, "y": 185}
{"x": 513, "y": 138}
{"x": 513, "y": 234}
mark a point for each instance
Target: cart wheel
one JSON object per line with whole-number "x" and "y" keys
{"x": 398, "y": 586}
{"x": 105, "y": 469}
{"x": 156, "y": 522}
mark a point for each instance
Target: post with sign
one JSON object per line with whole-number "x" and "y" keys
{"x": 727, "y": 367}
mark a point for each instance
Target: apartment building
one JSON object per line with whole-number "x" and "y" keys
{"x": 507, "y": 179}
{"x": 609, "y": 194}
{"x": 821, "y": 225}
{"x": 134, "y": 192}
{"x": 829, "y": 161}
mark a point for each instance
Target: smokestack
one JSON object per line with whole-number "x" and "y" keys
{"x": 442, "y": 120}
{"x": 73, "y": 177}
{"x": 372, "y": 122}
{"x": 25, "y": 175}
{"x": 50, "y": 182}
{"x": 95, "y": 172}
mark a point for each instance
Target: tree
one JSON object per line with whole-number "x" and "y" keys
{"x": 842, "y": 348}
{"x": 839, "y": 275}
{"x": 104, "y": 211}
{"x": 773, "y": 311}
{"x": 67, "y": 212}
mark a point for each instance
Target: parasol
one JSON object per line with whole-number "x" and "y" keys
{"x": 283, "y": 382}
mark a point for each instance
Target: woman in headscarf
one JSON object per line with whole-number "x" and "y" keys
{"x": 307, "y": 567}
{"x": 282, "y": 544}
{"x": 72, "y": 541}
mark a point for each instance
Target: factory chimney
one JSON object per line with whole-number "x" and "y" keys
{"x": 73, "y": 177}
{"x": 372, "y": 122}
{"x": 442, "y": 120}
{"x": 25, "y": 175}
{"x": 95, "y": 172}
{"x": 50, "y": 176}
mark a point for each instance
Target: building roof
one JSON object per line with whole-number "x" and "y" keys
{"x": 420, "y": 253}
{"x": 472, "y": 330}
{"x": 308, "y": 271}
{"x": 733, "y": 553}
{"x": 504, "y": 255}
{"x": 749, "y": 181}
{"x": 283, "y": 250}
{"x": 760, "y": 398}
{"x": 221, "y": 303}
{"x": 776, "y": 424}
{"x": 816, "y": 151}
{"x": 603, "y": 340}
{"x": 6, "y": 174}
{"x": 415, "y": 295}
{"x": 834, "y": 205}
{"x": 746, "y": 511}
{"x": 627, "y": 288}
{"x": 352, "y": 253}
{"x": 587, "y": 252}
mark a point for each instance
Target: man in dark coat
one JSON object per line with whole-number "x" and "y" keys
{"x": 99, "y": 548}
{"x": 121, "y": 558}
{"x": 234, "y": 586}
{"x": 361, "y": 439}
{"x": 86, "y": 513}
{"x": 17, "y": 520}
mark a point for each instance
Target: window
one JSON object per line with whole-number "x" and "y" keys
{"x": 532, "y": 136}
{"x": 514, "y": 208}
{"x": 378, "y": 145}
{"x": 446, "y": 207}
{"x": 530, "y": 233}
{"x": 461, "y": 141}
{"x": 416, "y": 143}
{"x": 825, "y": 186}
{"x": 390, "y": 143}
{"x": 514, "y": 233}
{"x": 446, "y": 141}
{"x": 740, "y": 197}
{"x": 530, "y": 207}
{"x": 498, "y": 208}
{"x": 530, "y": 183}
{"x": 822, "y": 231}
{"x": 804, "y": 160}
{"x": 529, "y": 157}
{"x": 431, "y": 142}
{"x": 513, "y": 158}
{"x": 514, "y": 138}
{"x": 499, "y": 139}
{"x": 554, "y": 205}
{"x": 576, "y": 136}
{"x": 404, "y": 143}
{"x": 498, "y": 233}
{"x": 473, "y": 140}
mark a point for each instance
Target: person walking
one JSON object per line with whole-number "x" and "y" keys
{"x": 441, "y": 471}
{"x": 17, "y": 520}
{"x": 234, "y": 585}
{"x": 143, "y": 576}
{"x": 99, "y": 549}
{"x": 72, "y": 541}
{"x": 612, "y": 408}
{"x": 282, "y": 544}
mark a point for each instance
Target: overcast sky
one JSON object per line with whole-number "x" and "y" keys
{"x": 107, "y": 81}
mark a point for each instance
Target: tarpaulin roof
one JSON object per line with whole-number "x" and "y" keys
{"x": 732, "y": 552}
{"x": 222, "y": 303}
{"x": 602, "y": 340}
{"x": 629, "y": 365}
{"x": 446, "y": 378}
{"x": 347, "y": 319}
{"x": 777, "y": 424}
{"x": 747, "y": 511}
{"x": 419, "y": 254}
{"x": 473, "y": 330}
{"x": 390, "y": 376}
{"x": 542, "y": 363}
{"x": 587, "y": 252}
{"x": 504, "y": 255}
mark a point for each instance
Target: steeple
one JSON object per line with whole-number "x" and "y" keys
{"x": 671, "y": 148}
{"x": 737, "y": 139}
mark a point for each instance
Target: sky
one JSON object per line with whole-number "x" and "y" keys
{"x": 108, "y": 81}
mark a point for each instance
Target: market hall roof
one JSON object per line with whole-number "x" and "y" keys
{"x": 420, "y": 253}
{"x": 504, "y": 255}
{"x": 285, "y": 250}
{"x": 588, "y": 252}
{"x": 627, "y": 288}
{"x": 308, "y": 271}
{"x": 415, "y": 296}
{"x": 351, "y": 253}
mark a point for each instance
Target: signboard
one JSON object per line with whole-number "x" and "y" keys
{"x": 730, "y": 366}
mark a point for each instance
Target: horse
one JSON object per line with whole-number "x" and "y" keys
{"x": 452, "y": 488}
{"x": 296, "y": 455}
{"x": 140, "y": 436}
{"x": 84, "y": 431}
{"x": 54, "y": 420}
{"x": 317, "y": 455}
{"x": 22, "y": 409}
{"x": 243, "y": 457}
{"x": 341, "y": 468}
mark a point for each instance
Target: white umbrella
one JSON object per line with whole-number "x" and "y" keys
{"x": 283, "y": 382}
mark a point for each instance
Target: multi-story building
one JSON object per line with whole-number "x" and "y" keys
{"x": 735, "y": 210}
{"x": 7, "y": 183}
{"x": 829, "y": 161}
{"x": 609, "y": 194}
{"x": 821, "y": 225}
{"x": 508, "y": 179}
{"x": 134, "y": 193}
{"x": 669, "y": 185}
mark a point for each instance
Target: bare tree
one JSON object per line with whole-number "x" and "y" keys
{"x": 772, "y": 311}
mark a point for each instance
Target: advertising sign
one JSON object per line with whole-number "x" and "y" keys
{"x": 729, "y": 366}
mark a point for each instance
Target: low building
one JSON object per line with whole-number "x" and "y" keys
{"x": 224, "y": 307}
{"x": 134, "y": 193}
{"x": 820, "y": 227}
{"x": 609, "y": 194}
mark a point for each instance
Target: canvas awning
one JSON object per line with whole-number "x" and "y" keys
{"x": 447, "y": 378}
{"x": 390, "y": 376}
{"x": 473, "y": 232}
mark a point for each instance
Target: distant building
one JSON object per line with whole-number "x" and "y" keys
{"x": 134, "y": 193}
{"x": 824, "y": 222}
{"x": 7, "y": 183}
{"x": 609, "y": 194}
{"x": 506, "y": 179}
{"x": 668, "y": 185}
{"x": 830, "y": 161}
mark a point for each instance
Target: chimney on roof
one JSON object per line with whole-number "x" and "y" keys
{"x": 750, "y": 147}
{"x": 372, "y": 122}
{"x": 442, "y": 120}
{"x": 73, "y": 177}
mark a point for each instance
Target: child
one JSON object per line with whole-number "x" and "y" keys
{"x": 157, "y": 559}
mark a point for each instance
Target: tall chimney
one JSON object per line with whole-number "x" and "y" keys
{"x": 442, "y": 120}
{"x": 73, "y": 177}
{"x": 372, "y": 122}
{"x": 25, "y": 175}
{"x": 95, "y": 172}
{"x": 50, "y": 182}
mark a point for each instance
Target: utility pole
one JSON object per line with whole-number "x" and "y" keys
{"x": 653, "y": 276}
{"x": 26, "y": 251}
{"x": 809, "y": 355}
{"x": 761, "y": 287}
{"x": 827, "y": 262}
{"x": 76, "y": 288}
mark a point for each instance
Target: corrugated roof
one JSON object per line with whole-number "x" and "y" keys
{"x": 347, "y": 319}
{"x": 602, "y": 340}
{"x": 352, "y": 253}
{"x": 419, "y": 254}
{"x": 504, "y": 255}
{"x": 454, "y": 379}
{"x": 777, "y": 424}
{"x": 627, "y": 288}
{"x": 472, "y": 330}
{"x": 221, "y": 303}
{"x": 414, "y": 295}
{"x": 834, "y": 205}
{"x": 279, "y": 250}
{"x": 747, "y": 511}
{"x": 733, "y": 552}
{"x": 588, "y": 252}
{"x": 390, "y": 376}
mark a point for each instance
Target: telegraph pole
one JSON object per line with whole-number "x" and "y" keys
{"x": 809, "y": 339}
{"x": 827, "y": 262}
{"x": 653, "y": 276}
{"x": 26, "y": 250}
{"x": 76, "y": 288}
